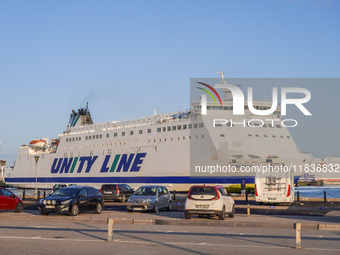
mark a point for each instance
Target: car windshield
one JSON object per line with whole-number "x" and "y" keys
{"x": 146, "y": 191}
{"x": 201, "y": 191}
{"x": 65, "y": 193}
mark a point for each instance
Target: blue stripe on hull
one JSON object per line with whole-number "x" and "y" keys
{"x": 170, "y": 179}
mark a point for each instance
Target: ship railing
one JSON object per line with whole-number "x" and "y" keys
{"x": 112, "y": 126}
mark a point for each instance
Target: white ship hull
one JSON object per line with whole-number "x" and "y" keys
{"x": 140, "y": 157}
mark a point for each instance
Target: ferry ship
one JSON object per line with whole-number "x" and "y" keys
{"x": 159, "y": 149}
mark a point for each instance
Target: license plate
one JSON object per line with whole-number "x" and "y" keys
{"x": 108, "y": 192}
{"x": 202, "y": 206}
{"x": 137, "y": 209}
{"x": 271, "y": 198}
{"x": 50, "y": 206}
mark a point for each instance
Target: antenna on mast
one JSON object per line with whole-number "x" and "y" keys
{"x": 220, "y": 72}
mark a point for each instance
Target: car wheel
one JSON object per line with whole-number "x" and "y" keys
{"x": 99, "y": 208}
{"x": 187, "y": 215}
{"x": 18, "y": 208}
{"x": 221, "y": 216}
{"x": 169, "y": 207}
{"x": 156, "y": 209}
{"x": 74, "y": 210}
{"x": 232, "y": 214}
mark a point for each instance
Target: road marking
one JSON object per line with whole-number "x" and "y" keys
{"x": 42, "y": 227}
{"x": 49, "y": 238}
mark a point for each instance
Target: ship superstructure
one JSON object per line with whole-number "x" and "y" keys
{"x": 155, "y": 149}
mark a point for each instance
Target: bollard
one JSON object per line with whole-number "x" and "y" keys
{"x": 44, "y": 193}
{"x": 246, "y": 195}
{"x": 324, "y": 197}
{"x": 110, "y": 230}
{"x": 248, "y": 210}
{"x": 298, "y": 196}
{"x": 23, "y": 194}
{"x": 298, "y": 235}
{"x": 174, "y": 195}
{"x": 38, "y": 197}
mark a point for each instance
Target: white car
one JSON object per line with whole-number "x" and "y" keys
{"x": 209, "y": 200}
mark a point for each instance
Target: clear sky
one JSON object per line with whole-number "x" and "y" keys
{"x": 128, "y": 57}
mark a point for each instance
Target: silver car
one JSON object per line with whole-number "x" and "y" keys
{"x": 150, "y": 197}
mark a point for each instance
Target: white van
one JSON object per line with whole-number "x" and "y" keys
{"x": 274, "y": 187}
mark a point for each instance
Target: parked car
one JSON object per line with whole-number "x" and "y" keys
{"x": 72, "y": 200}
{"x": 9, "y": 201}
{"x": 157, "y": 196}
{"x": 209, "y": 200}
{"x": 119, "y": 192}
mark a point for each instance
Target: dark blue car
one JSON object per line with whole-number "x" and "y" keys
{"x": 72, "y": 200}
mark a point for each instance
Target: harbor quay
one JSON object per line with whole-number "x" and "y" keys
{"x": 272, "y": 228}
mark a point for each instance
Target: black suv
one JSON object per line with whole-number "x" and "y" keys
{"x": 120, "y": 192}
{"x": 72, "y": 200}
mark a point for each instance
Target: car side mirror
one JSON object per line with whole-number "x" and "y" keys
{"x": 82, "y": 195}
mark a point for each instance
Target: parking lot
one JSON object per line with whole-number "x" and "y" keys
{"x": 167, "y": 232}
{"x": 260, "y": 229}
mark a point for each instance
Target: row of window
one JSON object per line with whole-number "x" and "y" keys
{"x": 180, "y": 127}
{"x": 160, "y": 129}
{"x": 179, "y": 138}
{"x": 267, "y": 136}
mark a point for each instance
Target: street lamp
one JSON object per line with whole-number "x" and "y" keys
{"x": 36, "y": 176}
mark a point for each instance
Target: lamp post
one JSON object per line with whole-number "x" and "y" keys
{"x": 36, "y": 176}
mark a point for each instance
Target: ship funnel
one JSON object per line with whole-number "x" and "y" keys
{"x": 80, "y": 118}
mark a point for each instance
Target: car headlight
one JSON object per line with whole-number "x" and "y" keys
{"x": 65, "y": 202}
{"x": 44, "y": 201}
{"x": 53, "y": 202}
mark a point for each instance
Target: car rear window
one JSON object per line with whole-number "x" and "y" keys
{"x": 109, "y": 187}
{"x": 203, "y": 191}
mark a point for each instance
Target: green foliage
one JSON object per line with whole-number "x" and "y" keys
{"x": 236, "y": 188}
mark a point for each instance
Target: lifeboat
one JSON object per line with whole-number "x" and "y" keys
{"x": 272, "y": 156}
{"x": 55, "y": 142}
{"x": 37, "y": 144}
